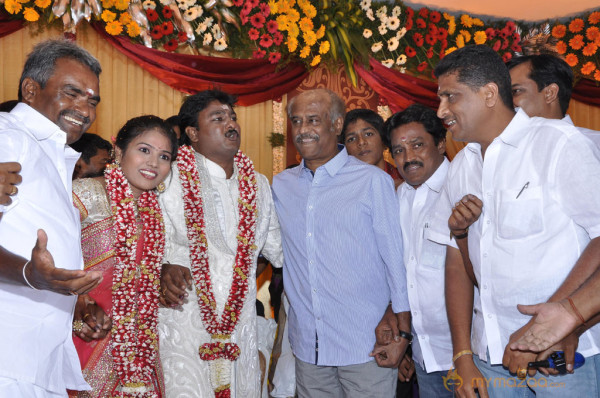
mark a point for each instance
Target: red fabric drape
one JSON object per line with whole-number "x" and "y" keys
{"x": 253, "y": 81}
{"x": 399, "y": 89}
{"x": 587, "y": 91}
{"x": 8, "y": 26}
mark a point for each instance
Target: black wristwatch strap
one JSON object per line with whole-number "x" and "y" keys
{"x": 405, "y": 335}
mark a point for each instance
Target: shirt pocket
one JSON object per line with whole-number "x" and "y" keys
{"x": 433, "y": 255}
{"x": 520, "y": 213}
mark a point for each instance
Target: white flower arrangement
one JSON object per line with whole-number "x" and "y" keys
{"x": 393, "y": 23}
{"x": 377, "y": 47}
{"x": 149, "y": 4}
{"x": 220, "y": 44}
{"x": 393, "y": 43}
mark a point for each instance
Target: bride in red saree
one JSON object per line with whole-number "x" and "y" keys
{"x": 123, "y": 236}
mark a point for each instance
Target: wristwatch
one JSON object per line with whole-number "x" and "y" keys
{"x": 406, "y": 336}
{"x": 461, "y": 236}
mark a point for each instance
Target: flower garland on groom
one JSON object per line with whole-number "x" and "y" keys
{"x": 218, "y": 215}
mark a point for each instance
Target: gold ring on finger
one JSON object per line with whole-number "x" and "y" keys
{"x": 522, "y": 373}
{"x": 13, "y": 191}
{"x": 85, "y": 317}
{"x": 77, "y": 326}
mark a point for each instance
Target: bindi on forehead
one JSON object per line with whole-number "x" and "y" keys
{"x": 90, "y": 93}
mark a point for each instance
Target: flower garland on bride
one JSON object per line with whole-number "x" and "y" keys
{"x": 135, "y": 295}
{"x": 220, "y": 352}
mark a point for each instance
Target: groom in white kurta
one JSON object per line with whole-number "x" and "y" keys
{"x": 210, "y": 124}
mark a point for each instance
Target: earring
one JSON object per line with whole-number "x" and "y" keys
{"x": 161, "y": 187}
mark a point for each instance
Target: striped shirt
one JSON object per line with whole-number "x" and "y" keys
{"x": 343, "y": 257}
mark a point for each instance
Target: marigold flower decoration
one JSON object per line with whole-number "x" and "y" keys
{"x": 334, "y": 33}
{"x": 578, "y": 42}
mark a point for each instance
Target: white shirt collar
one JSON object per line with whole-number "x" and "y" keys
{"x": 436, "y": 181}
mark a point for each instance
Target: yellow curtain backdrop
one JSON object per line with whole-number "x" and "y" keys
{"x": 127, "y": 91}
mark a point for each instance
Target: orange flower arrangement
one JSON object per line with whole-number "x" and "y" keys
{"x": 594, "y": 18}
{"x": 576, "y": 42}
{"x": 571, "y": 59}
{"x": 592, "y": 33}
{"x": 576, "y": 25}
{"x": 597, "y": 75}
{"x": 579, "y": 40}
{"x": 590, "y": 49}
{"x": 588, "y": 68}
{"x": 559, "y": 31}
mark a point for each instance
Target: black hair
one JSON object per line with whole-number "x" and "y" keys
{"x": 547, "y": 69}
{"x": 41, "y": 62}
{"x": 419, "y": 114}
{"x": 8, "y": 106}
{"x": 367, "y": 116}
{"x": 89, "y": 144}
{"x": 476, "y": 66}
{"x": 139, "y": 125}
{"x": 194, "y": 104}
{"x": 173, "y": 121}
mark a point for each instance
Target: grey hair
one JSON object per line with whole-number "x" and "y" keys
{"x": 338, "y": 107}
{"x": 41, "y": 62}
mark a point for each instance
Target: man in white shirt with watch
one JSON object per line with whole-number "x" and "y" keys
{"x": 418, "y": 144}
{"x": 537, "y": 239}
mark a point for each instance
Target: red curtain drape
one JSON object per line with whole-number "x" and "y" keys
{"x": 6, "y": 25}
{"x": 399, "y": 89}
{"x": 587, "y": 91}
{"x": 253, "y": 81}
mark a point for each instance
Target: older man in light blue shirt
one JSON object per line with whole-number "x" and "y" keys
{"x": 343, "y": 256}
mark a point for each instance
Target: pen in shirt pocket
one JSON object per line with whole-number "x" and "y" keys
{"x": 522, "y": 189}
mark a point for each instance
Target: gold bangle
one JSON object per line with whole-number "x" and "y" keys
{"x": 460, "y": 354}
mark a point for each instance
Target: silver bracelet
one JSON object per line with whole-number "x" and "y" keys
{"x": 25, "y": 278}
